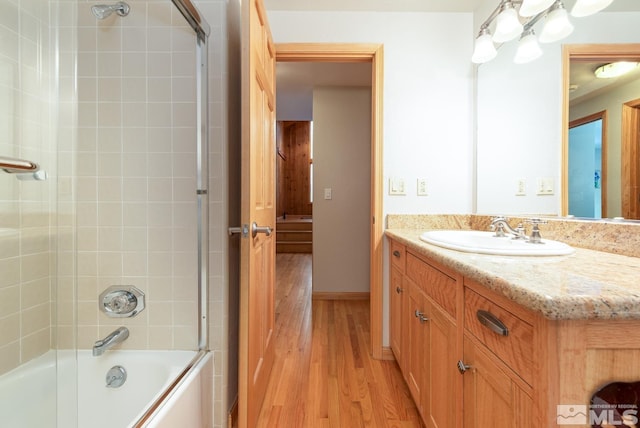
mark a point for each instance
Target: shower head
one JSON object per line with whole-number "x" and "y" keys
{"x": 102, "y": 11}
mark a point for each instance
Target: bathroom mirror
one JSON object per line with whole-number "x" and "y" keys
{"x": 599, "y": 156}
{"x": 522, "y": 119}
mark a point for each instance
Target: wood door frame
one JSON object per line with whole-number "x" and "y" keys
{"x": 630, "y": 154}
{"x": 601, "y": 115}
{"x": 371, "y": 53}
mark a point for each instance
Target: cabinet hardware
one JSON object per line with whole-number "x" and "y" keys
{"x": 462, "y": 367}
{"x": 492, "y": 323}
{"x": 396, "y": 253}
{"x": 420, "y": 316}
{"x": 398, "y": 290}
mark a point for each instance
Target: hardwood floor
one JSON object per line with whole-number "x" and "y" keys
{"x": 324, "y": 375}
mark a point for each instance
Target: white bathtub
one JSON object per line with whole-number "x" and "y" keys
{"x": 28, "y": 396}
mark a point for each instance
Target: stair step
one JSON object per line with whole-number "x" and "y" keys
{"x": 294, "y": 247}
{"x": 293, "y": 236}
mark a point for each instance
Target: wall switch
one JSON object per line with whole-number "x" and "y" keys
{"x": 545, "y": 186}
{"x": 521, "y": 187}
{"x": 396, "y": 186}
{"x": 422, "y": 187}
{"x": 327, "y": 193}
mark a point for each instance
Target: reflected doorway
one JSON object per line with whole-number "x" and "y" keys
{"x": 587, "y": 166}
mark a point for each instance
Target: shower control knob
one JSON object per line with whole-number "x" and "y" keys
{"x": 122, "y": 301}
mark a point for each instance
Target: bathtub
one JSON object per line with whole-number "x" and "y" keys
{"x": 28, "y": 395}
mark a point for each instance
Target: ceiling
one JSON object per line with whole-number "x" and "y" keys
{"x": 584, "y": 85}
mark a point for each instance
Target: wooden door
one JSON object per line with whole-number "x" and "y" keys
{"x": 441, "y": 375}
{"x": 491, "y": 397}
{"x": 396, "y": 314}
{"x": 418, "y": 335}
{"x": 257, "y": 250}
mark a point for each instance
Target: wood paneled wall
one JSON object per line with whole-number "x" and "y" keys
{"x": 294, "y": 157}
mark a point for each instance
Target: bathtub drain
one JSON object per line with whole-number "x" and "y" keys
{"x": 116, "y": 377}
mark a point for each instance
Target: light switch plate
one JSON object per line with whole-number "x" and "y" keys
{"x": 545, "y": 186}
{"x": 521, "y": 187}
{"x": 422, "y": 187}
{"x": 396, "y": 186}
{"x": 327, "y": 193}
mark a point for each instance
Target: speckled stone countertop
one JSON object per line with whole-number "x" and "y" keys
{"x": 589, "y": 284}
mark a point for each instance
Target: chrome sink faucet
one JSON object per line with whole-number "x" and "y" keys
{"x": 118, "y": 336}
{"x": 500, "y": 224}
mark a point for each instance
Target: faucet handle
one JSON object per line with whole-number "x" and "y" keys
{"x": 535, "y": 221}
{"x": 535, "y": 237}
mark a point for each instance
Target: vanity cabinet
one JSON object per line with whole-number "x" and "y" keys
{"x": 423, "y": 335}
{"x": 474, "y": 358}
{"x": 398, "y": 301}
{"x": 498, "y": 361}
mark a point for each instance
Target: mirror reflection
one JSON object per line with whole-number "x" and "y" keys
{"x": 601, "y": 160}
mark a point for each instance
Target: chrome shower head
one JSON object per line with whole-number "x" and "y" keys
{"x": 102, "y": 11}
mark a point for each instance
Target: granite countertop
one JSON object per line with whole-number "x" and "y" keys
{"x": 588, "y": 284}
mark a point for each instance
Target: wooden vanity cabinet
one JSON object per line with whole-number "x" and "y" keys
{"x": 516, "y": 379}
{"x": 498, "y": 361}
{"x": 398, "y": 304}
{"x": 426, "y": 334}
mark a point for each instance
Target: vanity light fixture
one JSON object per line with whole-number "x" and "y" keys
{"x": 528, "y": 48}
{"x": 484, "y": 50}
{"x": 556, "y": 25}
{"x": 614, "y": 69}
{"x": 589, "y": 7}
{"x": 508, "y": 25}
{"x": 534, "y": 7}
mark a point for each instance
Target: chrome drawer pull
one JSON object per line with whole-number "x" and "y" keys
{"x": 492, "y": 323}
{"x": 396, "y": 253}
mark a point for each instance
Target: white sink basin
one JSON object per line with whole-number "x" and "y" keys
{"x": 475, "y": 241}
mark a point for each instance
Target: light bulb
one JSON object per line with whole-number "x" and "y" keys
{"x": 528, "y": 48}
{"x": 508, "y": 25}
{"x": 484, "y": 50}
{"x": 589, "y": 7}
{"x": 556, "y": 25}
{"x": 534, "y": 7}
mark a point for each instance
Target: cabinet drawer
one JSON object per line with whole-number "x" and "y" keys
{"x": 435, "y": 284}
{"x": 398, "y": 255}
{"x": 515, "y": 348}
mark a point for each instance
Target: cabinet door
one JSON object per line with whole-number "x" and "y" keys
{"x": 396, "y": 315}
{"x": 491, "y": 398}
{"x": 441, "y": 376}
{"x": 418, "y": 336}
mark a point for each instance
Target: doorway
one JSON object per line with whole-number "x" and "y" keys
{"x": 358, "y": 53}
{"x": 587, "y": 170}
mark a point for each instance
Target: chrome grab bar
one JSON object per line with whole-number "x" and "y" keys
{"x": 17, "y": 166}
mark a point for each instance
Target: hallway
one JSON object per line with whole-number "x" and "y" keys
{"x": 323, "y": 374}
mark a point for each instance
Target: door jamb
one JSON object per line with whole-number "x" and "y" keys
{"x": 373, "y": 53}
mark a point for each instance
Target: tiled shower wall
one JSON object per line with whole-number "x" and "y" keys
{"x": 27, "y": 208}
{"x": 136, "y": 173}
{"x": 136, "y": 185}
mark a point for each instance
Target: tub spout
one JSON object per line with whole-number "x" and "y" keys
{"x": 118, "y": 336}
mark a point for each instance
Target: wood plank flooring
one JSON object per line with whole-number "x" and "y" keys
{"x": 324, "y": 375}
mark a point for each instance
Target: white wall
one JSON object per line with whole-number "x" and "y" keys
{"x": 428, "y": 98}
{"x": 341, "y": 162}
{"x": 519, "y": 113}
